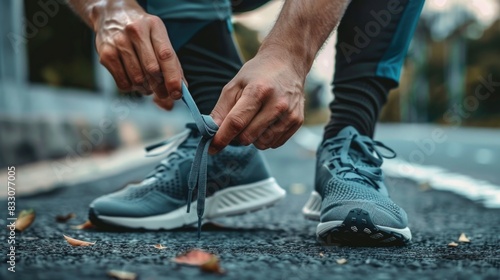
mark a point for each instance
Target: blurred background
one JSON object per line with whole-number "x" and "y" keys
{"x": 57, "y": 103}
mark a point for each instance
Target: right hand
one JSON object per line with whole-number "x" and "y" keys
{"x": 134, "y": 46}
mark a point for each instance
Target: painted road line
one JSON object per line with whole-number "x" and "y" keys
{"x": 439, "y": 178}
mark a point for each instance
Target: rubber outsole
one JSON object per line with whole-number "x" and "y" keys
{"x": 357, "y": 229}
{"x": 231, "y": 201}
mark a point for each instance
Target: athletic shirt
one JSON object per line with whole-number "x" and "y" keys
{"x": 204, "y": 10}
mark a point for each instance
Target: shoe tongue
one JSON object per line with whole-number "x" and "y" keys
{"x": 192, "y": 126}
{"x": 346, "y": 132}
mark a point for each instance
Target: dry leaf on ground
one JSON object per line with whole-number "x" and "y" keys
{"x": 25, "y": 219}
{"x": 452, "y": 244}
{"x": 424, "y": 186}
{"x": 212, "y": 266}
{"x": 86, "y": 225}
{"x": 159, "y": 246}
{"x": 65, "y": 218}
{"x": 341, "y": 261}
{"x": 76, "y": 242}
{"x": 122, "y": 275}
{"x": 463, "y": 238}
{"x": 206, "y": 261}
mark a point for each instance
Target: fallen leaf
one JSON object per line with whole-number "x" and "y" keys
{"x": 76, "y": 242}
{"x": 25, "y": 219}
{"x": 452, "y": 244}
{"x": 122, "y": 275}
{"x": 206, "y": 261}
{"x": 86, "y": 225}
{"x": 65, "y": 218}
{"x": 425, "y": 186}
{"x": 341, "y": 261}
{"x": 463, "y": 238}
{"x": 212, "y": 266}
{"x": 298, "y": 188}
{"x": 159, "y": 246}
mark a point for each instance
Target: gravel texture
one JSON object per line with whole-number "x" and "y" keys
{"x": 275, "y": 243}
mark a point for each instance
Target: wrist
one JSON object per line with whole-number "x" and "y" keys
{"x": 294, "y": 56}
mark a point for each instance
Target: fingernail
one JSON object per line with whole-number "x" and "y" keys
{"x": 176, "y": 95}
{"x": 212, "y": 151}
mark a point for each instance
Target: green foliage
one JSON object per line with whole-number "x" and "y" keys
{"x": 60, "y": 54}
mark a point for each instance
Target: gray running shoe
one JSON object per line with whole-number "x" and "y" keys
{"x": 350, "y": 199}
{"x": 238, "y": 182}
{"x": 235, "y": 181}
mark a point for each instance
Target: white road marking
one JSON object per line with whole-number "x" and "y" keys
{"x": 438, "y": 178}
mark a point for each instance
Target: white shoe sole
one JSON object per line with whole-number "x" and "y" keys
{"x": 312, "y": 211}
{"x": 228, "y": 202}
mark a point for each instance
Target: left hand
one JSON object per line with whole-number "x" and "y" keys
{"x": 263, "y": 104}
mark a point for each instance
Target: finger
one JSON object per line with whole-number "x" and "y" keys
{"x": 264, "y": 141}
{"x": 236, "y": 120}
{"x": 278, "y": 120}
{"x": 163, "y": 103}
{"x": 165, "y": 54}
{"x": 132, "y": 64}
{"x": 284, "y": 138}
{"x": 149, "y": 64}
{"x": 109, "y": 58}
{"x": 229, "y": 95}
{"x": 295, "y": 121}
{"x": 267, "y": 118}
{"x": 272, "y": 133}
{"x": 276, "y": 132}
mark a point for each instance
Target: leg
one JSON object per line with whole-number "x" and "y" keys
{"x": 209, "y": 59}
{"x": 373, "y": 39}
{"x": 350, "y": 198}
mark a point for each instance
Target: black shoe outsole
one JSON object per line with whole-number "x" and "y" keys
{"x": 359, "y": 230}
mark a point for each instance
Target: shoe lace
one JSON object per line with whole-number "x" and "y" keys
{"x": 169, "y": 147}
{"x": 358, "y": 154}
{"x": 206, "y": 127}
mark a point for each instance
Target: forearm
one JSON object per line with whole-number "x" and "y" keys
{"x": 94, "y": 11}
{"x": 302, "y": 28}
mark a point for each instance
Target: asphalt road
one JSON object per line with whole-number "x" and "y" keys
{"x": 471, "y": 151}
{"x": 276, "y": 243}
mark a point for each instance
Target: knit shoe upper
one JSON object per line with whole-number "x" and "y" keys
{"x": 349, "y": 180}
{"x": 165, "y": 190}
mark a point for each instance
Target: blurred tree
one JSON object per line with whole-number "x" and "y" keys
{"x": 60, "y": 52}
{"x": 247, "y": 39}
{"x": 452, "y": 54}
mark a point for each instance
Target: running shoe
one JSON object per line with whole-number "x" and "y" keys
{"x": 238, "y": 181}
{"x": 234, "y": 181}
{"x": 350, "y": 199}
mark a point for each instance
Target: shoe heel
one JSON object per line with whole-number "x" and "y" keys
{"x": 312, "y": 208}
{"x": 245, "y": 198}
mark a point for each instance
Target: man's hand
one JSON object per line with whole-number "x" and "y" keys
{"x": 134, "y": 47}
{"x": 263, "y": 104}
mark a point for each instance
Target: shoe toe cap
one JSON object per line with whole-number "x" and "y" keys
{"x": 110, "y": 206}
{"x": 386, "y": 214}
{"x": 152, "y": 203}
